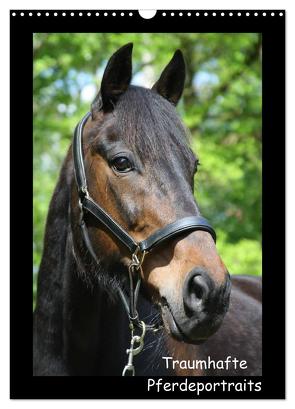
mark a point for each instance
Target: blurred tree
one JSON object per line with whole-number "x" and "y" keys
{"x": 221, "y": 106}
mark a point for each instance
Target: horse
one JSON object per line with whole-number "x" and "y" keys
{"x": 123, "y": 213}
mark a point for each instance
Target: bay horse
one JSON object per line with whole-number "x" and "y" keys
{"x": 123, "y": 212}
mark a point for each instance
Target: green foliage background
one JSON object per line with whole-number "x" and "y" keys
{"x": 221, "y": 106}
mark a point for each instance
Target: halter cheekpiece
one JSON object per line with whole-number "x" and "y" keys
{"x": 137, "y": 250}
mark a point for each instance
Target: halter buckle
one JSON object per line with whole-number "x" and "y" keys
{"x": 84, "y": 192}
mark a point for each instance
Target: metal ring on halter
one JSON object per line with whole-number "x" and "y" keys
{"x": 143, "y": 326}
{"x": 139, "y": 339}
{"x": 138, "y": 257}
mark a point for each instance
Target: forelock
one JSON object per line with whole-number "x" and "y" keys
{"x": 151, "y": 125}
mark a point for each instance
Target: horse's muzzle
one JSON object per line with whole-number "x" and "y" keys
{"x": 204, "y": 307}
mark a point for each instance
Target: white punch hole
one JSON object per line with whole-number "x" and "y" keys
{"x": 147, "y": 14}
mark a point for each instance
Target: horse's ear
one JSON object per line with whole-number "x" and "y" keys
{"x": 171, "y": 82}
{"x": 115, "y": 80}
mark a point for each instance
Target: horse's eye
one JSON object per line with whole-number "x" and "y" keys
{"x": 122, "y": 164}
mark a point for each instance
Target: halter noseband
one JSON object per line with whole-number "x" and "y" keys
{"x": 136, "y": 249}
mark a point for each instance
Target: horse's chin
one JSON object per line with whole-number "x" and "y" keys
{"x": 178, "y": 333}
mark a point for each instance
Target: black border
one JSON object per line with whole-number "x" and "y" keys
{"x": 22, "y": 383}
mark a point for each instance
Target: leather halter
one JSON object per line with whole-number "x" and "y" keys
{"x": 137, "y": 249}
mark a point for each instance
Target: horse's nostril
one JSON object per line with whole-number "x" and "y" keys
{"x": 199, "y": 288}
{"x": 196, "y": 291}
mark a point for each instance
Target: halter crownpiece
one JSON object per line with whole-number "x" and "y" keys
{"x": 137, "y": 249}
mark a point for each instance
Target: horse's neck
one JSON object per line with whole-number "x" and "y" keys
{"x": 95, "y": 329}
{"x": 79, "y": 326}
{"x": 48, "y": 322}
{"x": 74, "y": 323}
{"x": 55, "y": 241}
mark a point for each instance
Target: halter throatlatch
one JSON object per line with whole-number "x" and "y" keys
{"x": 138, "y": 250}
